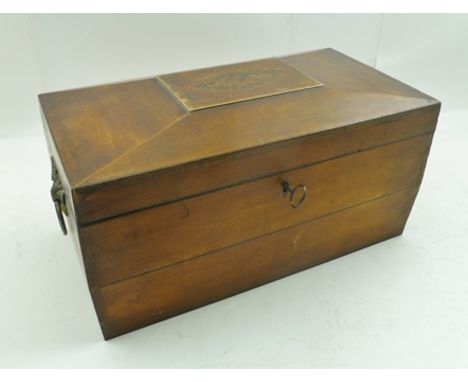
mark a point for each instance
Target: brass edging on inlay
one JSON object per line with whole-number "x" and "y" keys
{"x": 186, "y": 103}
{"x": 238, "y": 100}
{"x": 265, "y": 95}
{"x": 174, "y": 94}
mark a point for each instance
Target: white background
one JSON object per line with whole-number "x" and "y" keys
{"x": 401, "y": 303}
{"x": 40, "y": 53}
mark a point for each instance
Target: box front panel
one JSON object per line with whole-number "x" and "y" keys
{"x": 145, "y": 241}
{"x": 143, "y": 300}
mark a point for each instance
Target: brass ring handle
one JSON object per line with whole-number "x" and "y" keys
{"x": 58, "y": 198}
{"x": 287, "y": 188}
{"x": 61, "y": 220}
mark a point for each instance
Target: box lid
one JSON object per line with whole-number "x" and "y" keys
{"x": 111, "y": 133}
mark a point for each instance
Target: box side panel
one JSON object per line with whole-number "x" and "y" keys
{"x": 74, "y": 231}
{"x": 57, "y": 160}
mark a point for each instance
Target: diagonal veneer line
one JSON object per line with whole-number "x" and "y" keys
{"x": 93, "y": 174}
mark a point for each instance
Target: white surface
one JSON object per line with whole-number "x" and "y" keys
{"x": 41, "y": 52}
{"x": 401, "y": 303}
{"x": 20, "y": 79}
{"x": 430, "y": 52}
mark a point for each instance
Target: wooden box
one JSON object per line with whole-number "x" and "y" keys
{"x": 186, "y": 188}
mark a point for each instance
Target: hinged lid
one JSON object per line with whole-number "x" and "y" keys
{"x": 110, "y": 138}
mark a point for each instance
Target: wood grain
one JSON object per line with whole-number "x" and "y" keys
{"x": 174, "y": 209}
{"x": 136, "y": 243}
{"x": 92, "y": 126}
{"x": 109, "y": 133}
{"x": 222, "y": 85}
{"x": 173, "y": 290}
{"x": 131, "y": 194}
